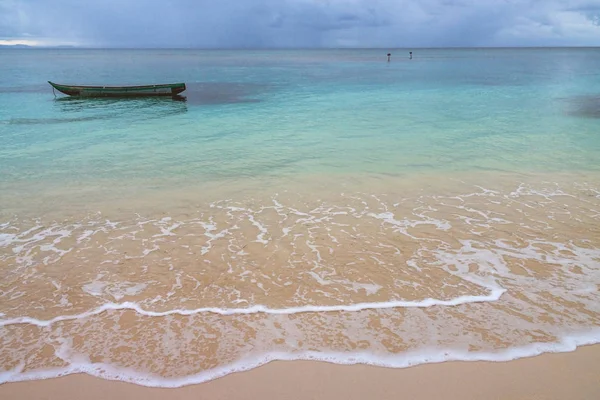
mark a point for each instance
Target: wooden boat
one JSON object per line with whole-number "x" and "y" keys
{"x": 172, "y": 89}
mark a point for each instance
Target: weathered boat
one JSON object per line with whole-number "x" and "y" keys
{"x": 172, "y": 89}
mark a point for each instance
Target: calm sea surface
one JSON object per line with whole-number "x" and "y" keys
{"x": 313, "y": 204}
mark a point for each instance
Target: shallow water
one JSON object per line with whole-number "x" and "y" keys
{"x": 298, "y": 204}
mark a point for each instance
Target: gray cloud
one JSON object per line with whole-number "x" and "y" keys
{"x": 302, "y": 23}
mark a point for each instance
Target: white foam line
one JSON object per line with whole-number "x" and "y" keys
{"x": 494, "y": 295}
{"x": 566, "y": 344}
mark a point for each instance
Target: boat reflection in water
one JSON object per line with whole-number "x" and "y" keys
{"x": 139, "y": 108}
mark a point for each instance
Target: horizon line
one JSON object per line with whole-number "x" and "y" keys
{"x": 71, "y": 47}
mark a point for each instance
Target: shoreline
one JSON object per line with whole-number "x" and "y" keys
{"x": 570, "y": 375}
{"x": 61, "y": 203}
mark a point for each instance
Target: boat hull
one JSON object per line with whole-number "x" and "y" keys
{"x": 120, "y": 91}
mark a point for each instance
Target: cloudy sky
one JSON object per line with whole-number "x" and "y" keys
{"x": 300, "y": 23}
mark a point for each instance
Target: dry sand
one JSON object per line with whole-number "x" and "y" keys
{"x": 561, "y": 376}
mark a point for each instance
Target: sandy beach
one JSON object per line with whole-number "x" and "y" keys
{"x": 307, "y": 224}
{"x": 550, "y": 376}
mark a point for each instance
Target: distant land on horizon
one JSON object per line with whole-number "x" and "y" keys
{"x": 15, "y": 46}
{"x": 25, "y": 46}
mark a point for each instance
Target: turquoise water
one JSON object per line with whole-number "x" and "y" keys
{"x": 285, "y": 113}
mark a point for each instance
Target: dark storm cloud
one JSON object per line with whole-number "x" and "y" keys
{"x": 302, "y": 23}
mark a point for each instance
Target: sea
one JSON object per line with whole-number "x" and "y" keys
{"x": 320, "y": 205}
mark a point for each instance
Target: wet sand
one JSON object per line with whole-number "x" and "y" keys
{"x": 493, "y": 272}
{"x": 550, "y": 376}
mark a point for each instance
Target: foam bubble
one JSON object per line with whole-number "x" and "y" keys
{"x": 404, "y": 224}
{"x": 260, "y": 238}
{"x": 116, "y": 290}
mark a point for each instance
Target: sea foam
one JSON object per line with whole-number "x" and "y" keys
{"x": 567, "y": 343}
{"x": 494, "y": 295}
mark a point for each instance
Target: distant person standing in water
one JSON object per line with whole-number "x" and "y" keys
{"x": 410, "y": 54}
{"x": 389, "y": 56}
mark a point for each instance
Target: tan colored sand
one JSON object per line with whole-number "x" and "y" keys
{"x": 551, "y": 376}
{"x": 297, "y": 248}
